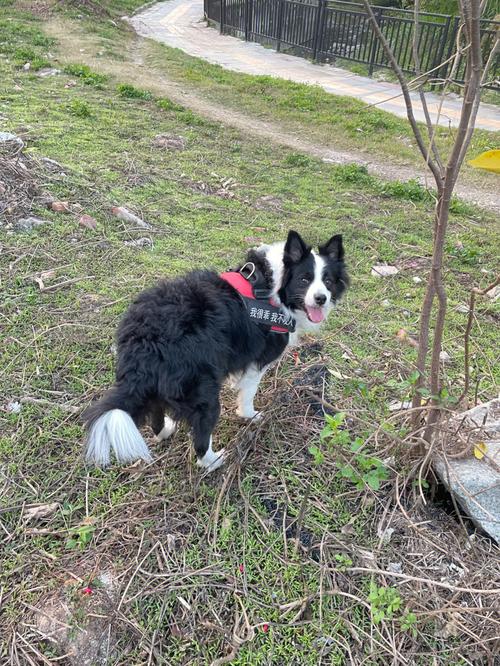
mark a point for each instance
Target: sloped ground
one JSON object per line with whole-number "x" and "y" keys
{"x": 289, "y": 555}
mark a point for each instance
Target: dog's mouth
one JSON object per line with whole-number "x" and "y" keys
{"x": 316, "y": 315}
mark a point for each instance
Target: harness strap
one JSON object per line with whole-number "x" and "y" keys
{"x": 262, "y": 312}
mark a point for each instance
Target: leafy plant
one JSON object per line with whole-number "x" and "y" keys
{"x": 131, "y": 92}
{"x": 363, "y": 469}
{"x": 84, "y": 73}
{"x": 343, "y": 561}
{"x": 80, "y": 108}
{"x": 80, "y": 537}
{"x": 408, "y": 622}
{"x": 384, "y": 602}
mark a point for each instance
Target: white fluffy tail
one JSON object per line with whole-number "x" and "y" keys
{"x": 115, "y": 430}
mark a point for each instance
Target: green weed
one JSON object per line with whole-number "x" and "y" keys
{"x": 84, "y": 73}
{"x": 131, "y": 92}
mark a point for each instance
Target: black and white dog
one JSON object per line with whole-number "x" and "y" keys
{"x": 180, "y": 340}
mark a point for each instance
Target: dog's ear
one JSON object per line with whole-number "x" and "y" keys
{"x": 333, "y": 248}
{"x": 295, "y": 248}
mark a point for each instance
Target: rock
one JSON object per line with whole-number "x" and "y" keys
{"x": 52, "y": 165}
{"x": 48, "y": 71}
{"x": 445, "y": 358}
{"x": 395, "y": 567}
{"x": 13, "y": 407}
{"x": 11, "y": 140}
{"x": 26, "y": 224}
{"x": 60, "y": 206}
{"x": 169, "y": 142}
{"x": 27, "y": 66}
{"x": 386, "y": 303}
{"x": 476, "y": 483}
{"x": 382, "y": 270}
{"x": 139, "y": 242}
{"x": 464, "y": 309}
{"x": 494, "y": 293}
{"x": 125, "y": 215}
{"x": 399, "y": 406}
{"x": 417, "y": 280}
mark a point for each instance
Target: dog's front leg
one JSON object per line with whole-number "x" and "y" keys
{"x": 247, "y": 388}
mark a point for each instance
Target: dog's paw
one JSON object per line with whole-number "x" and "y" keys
{"x": 250, "y": 415}
{"x": 167, "y": 430}
{"x": 212, "y": 460}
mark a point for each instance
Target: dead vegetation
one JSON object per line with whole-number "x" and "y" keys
{"x": 444, "y": 581}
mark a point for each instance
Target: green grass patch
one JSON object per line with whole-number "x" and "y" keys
{"x": 131, "y": 92}
{"x": 84, "y": 73}
{"x": 214, "y": 556}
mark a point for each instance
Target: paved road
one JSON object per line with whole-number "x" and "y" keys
{"x": 180, "y": 24}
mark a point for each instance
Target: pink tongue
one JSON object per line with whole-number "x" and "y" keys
{"x": 315, "y": 314}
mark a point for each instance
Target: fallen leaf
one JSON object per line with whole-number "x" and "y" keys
{"x": 382, "y": 270}
{"x": 403, "y": 336}
{"x": 87, "y": 222}
{"x": 480, "y": 450}
{"x": 40, "y": 511}
{"x": 60, "y": 206}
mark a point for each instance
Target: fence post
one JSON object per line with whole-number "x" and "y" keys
{"x": 438, "y": 58}
{"x": 281, "y": 8}
{"x": 247, "y": 2}
{"x": 453, "y": 38}
{"x": 318, "y": 29}
{"x": 373, "y": 51}
{"x": 222, "y": 15}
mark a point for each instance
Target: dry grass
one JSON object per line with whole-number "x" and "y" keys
{"x": 263, "y": 508}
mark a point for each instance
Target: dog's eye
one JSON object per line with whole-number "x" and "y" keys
{"x": 305, "y": 280}
{"x": 328, "y": 282}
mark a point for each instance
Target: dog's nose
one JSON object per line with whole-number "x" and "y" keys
{"x": 320, "y": 299}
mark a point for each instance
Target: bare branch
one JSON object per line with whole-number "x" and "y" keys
{"x": 406, "y": 94}
{"x": 420, "y": 88}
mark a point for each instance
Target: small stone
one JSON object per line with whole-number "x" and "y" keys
{"x": 27, "y": 66}
{"x": 494, "y": 294}
{"x": 445, "y": 358}
{"x": 60, "y": 206}
{"x": 399, "y": 406}
{"x": 13, "y": 407}
{"x": 386, "y": 303}
{"x": 26, "y": 224}
{"x": 12, "y": 139}
{"x": 125, "y": 215}
{"x": 464, "y": 309}
{"x": 395, "y": 567}
{"x": 382, "y": 270}
{"x": 139, "y": 242}
{"x": 48, "y": 71}
{"x": 417, "y": 280}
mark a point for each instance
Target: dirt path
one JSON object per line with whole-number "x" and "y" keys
{"x": 136, "y": 70}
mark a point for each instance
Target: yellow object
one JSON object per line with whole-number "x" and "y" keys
{"x": 480, "y": 450}
{"x": 490, "y": 161}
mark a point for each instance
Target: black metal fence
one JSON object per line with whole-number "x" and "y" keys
{"x": 326, "y": 30}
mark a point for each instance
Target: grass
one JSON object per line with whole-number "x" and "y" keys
{"x": 343, "y": 123}
{"x": 218, "y": 555}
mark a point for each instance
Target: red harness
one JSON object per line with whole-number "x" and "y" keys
{"x": 244, "y": 287}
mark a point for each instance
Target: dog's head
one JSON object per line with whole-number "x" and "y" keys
{"x": 312, "y": 281}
